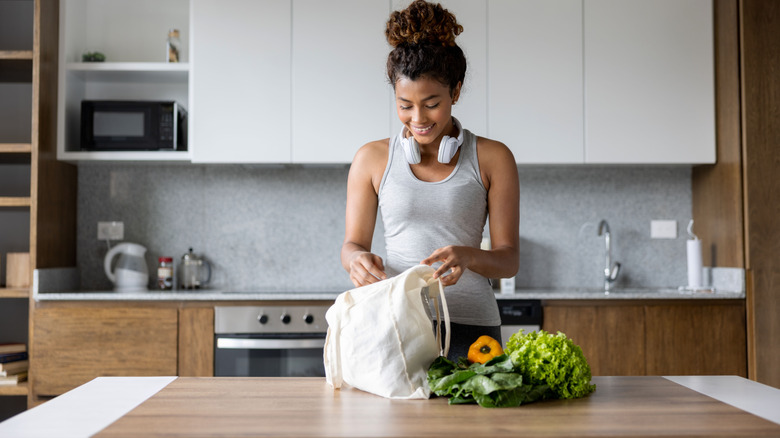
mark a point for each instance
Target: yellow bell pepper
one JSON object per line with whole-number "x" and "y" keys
{"x": 484, "y": 349}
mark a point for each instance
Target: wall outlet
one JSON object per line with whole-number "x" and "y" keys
{"x": 111, "y": 230}
{"x": 663, "y": 229}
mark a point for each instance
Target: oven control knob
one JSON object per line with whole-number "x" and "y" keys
{"x": 286, "y": 318}
{"x": 262, "y": 319}
{"x": 308, "y": 318}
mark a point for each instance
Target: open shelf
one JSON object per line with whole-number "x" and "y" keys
{"x": 18, "y": 389}
{"x": 14, "y": 292}
{"x": 130, "y": 71}
{"x": 15, "y": 201}
{"x": 16, "y": 65}
{"x": 129, "y": 66}
{"x": 132, "y": 36}
{"x": 15, "y": 148}
{"x": 124, "y": 156}
{"x": 118, "y": 81}
{"x": 16, "y": 54}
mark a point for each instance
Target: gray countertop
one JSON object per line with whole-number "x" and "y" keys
{"x": 536, "y": 294}
{"x": 60, "y": 284}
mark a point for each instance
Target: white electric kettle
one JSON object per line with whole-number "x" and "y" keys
{"x": 130, "y": 273}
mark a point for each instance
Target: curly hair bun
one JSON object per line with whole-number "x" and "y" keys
{"x": 420, "y": 23}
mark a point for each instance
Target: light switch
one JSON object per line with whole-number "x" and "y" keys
{"x": 663, "y": 229}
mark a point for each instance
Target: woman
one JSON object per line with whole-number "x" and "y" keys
{"x": 435, "y": 182}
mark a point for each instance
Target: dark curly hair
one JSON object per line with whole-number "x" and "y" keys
{"x": 423, "y": 40}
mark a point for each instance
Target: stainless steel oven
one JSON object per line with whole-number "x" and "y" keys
{"x": 269, "y": 341}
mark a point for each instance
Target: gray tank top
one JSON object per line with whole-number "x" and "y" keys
{"x": 420, "y": 217}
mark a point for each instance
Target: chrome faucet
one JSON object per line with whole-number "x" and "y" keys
{"x": 611, "y": 270}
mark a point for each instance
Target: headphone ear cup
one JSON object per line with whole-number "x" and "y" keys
{"x": 411, "y": 150}
{"x": 449, "y": 145}
{"x": 447, "y": 149}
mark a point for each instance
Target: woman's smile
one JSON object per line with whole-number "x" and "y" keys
{"x": 423, "y": 130}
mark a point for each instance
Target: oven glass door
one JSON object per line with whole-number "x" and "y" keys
{"x": 261, "y": 356}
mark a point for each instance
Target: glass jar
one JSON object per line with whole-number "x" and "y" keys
{"x": 173, "y": 46}
{"x": 165, "y": 273}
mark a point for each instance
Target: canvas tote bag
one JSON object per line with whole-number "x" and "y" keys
{"x": 380, "y": 337}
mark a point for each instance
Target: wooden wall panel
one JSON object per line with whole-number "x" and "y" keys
{"x": 54, "y": 183}
{"x": 717, "y": 189}
{"x": 196, "y": 342}
{"x": 760, "y": 28}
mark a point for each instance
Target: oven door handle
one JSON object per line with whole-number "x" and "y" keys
{"x": 269, "y": 344}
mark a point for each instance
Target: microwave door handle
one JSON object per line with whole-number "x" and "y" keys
{"x": 269, "y": 344}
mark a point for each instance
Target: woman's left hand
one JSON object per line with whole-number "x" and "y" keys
{"x": 453, "y": 258}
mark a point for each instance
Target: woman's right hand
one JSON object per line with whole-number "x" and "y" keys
{"x": 366, "y": 268}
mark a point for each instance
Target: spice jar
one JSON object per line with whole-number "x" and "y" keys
{"x": 173, "y": 45}
{"x": 165, "y": 273}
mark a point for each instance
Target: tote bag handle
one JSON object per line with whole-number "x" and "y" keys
{"x": 447, "y": 331}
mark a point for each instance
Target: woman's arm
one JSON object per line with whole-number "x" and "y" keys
{"x": 365, "y": 174}
{"x": 499, "y": 175}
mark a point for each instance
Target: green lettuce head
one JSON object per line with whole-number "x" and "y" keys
{"x": 553, "y": 360}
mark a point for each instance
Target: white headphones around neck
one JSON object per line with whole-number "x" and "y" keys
{"x": 447, "y": 148}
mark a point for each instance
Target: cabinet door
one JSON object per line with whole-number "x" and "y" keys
{"x": 73, "y": 345}
{"x": 696, "y": 339}
{"x": 535, "y": 77}
{"x": 340, "y": 92}
{"x": 196, "y": 342}
{"x": 649, "y": 81}
{"x": 612, "y": 338}
{"x": 240, "y": 81}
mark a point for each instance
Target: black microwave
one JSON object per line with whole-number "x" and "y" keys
{"x": 122, "y": 125}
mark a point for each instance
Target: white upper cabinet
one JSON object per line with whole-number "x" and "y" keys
{"x": 535, "y": 79}
{"x": 649, "y": 81}
{"x": 339, "y": 91}
{"x": 304, "y": 81}
{"x": 241, "y": 55}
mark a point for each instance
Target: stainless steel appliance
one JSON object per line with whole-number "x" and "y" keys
{"x": 519, "y": 314}
{"x": 121, "y": 125}
{"x": 195, "y": 271}
{"x": 269, "y": 341}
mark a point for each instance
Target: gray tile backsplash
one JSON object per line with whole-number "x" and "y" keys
{"x": 281, "y": 228}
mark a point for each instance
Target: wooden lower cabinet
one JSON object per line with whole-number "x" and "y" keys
{"x": 75, "y": 342}
{"x": 702, "y": 340}
{"x": 680, "y": 337}
{"x": 612, "y": 337}
{"x": 73, "y": 345}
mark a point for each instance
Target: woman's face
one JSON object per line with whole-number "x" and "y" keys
{"x": 424, "y": 106}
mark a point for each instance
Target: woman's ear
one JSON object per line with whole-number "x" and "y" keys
{"x": 456, "y": 93}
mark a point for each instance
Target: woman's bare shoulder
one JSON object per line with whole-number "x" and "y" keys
{"x": 374, "y": 149}
{"x": 371, "y": 159}
{"x": 491, "y": 150}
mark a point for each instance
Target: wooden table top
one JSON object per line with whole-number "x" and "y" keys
{"x": 621, "y": 406}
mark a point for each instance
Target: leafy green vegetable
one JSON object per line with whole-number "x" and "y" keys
{"x": 492, "y": 384}
{"x": 535, "y": 366}
{"x": 554, "y": 360}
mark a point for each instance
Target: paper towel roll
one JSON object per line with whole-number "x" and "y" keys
{"x": 694, "y": 263}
